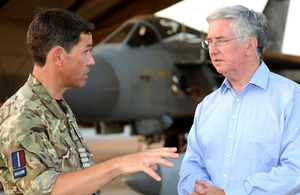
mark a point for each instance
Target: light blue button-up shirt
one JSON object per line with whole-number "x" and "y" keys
{"x": 246, "y": 143}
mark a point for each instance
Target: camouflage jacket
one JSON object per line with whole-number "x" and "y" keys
{"x": 38, "y": 141}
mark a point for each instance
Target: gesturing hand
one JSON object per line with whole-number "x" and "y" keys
{"x": 146, "y": 161}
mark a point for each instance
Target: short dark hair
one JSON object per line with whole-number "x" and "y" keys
{"x": 54, "y": 27}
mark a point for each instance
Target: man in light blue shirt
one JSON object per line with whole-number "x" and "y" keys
{"x": 246, "y": 135}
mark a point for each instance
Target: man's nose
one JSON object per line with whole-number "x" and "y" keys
{"x": 213, "y": 48}
{"x": 91, "y": 60}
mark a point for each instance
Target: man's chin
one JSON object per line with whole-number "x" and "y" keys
{"x": 220, "y": 70}
{"x": 79, "y": 85}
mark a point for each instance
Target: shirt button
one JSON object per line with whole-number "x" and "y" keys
{"x": 227, "y": 156}
{"x": 233, "y": 117}
{"x": 237, "y": 99}
{"x": 230, "y": 136}
{"x": 225, "y": 175}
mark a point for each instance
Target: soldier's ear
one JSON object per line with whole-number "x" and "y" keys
{"x": 56, "y": 55}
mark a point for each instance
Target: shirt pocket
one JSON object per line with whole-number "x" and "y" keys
{"x": 259, "y": 141}
{"x": 40, "y": 148}
{"x": 68, "y": 155}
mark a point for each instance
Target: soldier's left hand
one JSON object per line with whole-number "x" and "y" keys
{"x": 146, "y": 161}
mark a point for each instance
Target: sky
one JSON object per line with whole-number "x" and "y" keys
{"x": 194, "y": 12}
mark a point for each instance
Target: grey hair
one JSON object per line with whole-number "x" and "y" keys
{"x": 245, "y": 22}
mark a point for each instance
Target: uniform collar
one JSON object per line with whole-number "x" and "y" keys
{"x": 41, "y": 92}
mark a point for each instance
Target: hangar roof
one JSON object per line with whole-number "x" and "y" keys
{"x": 16, "y": 15}
{"x": 107, "y": 15}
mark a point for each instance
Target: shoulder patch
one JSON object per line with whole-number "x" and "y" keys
{"x": 20, "y": 173}
{"x": 18, "y": 159}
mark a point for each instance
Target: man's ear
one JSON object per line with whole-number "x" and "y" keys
{"x": 56, "y": 55}
{"x": 251, "y": 47}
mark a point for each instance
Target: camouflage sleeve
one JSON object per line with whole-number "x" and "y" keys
{"x": 29, "y": 162}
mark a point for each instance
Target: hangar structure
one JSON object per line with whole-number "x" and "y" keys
{"x": 107, "y": 15}
{"x": 16, "y": 15}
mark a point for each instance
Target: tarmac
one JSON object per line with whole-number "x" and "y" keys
{"x": 105, "y": 147}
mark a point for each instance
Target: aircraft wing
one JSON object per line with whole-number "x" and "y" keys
{"x": 276, "y": 60}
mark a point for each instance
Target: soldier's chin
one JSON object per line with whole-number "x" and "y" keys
{"x": 82, "y": 85}
{"x": 78, "y": 85}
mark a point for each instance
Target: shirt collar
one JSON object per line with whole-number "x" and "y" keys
{"x": 260, "y": 78}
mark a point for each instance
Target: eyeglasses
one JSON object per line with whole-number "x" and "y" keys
{"x": 207, "y": 43}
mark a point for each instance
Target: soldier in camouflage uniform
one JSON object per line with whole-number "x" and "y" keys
{"x": 33, "y": 122}
{"x": 41, "y": 149}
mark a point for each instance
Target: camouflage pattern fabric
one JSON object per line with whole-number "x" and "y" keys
{"x": 32, "y": 121}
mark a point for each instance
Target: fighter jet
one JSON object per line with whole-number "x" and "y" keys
{"x": 150, "y": 73}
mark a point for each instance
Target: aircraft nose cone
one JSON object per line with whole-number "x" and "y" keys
{"x": 99, "y": 96}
